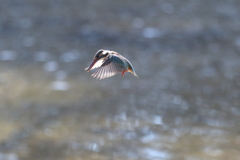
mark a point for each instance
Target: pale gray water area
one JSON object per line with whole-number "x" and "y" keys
{"x": 185, "y": 105}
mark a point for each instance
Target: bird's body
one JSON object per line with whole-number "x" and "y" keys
{"x": 110, "y": 63}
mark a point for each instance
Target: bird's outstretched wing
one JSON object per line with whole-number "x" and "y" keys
{"x": 111, "y": 66}
{"x": 95, "y": 64}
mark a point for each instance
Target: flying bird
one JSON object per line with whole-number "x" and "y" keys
{"x": 109, "y": 63}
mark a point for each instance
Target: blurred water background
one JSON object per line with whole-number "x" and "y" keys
{"x": 185, "y": 105}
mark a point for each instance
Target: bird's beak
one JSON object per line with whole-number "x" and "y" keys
{"x": 134, "y": 73}
{"x": 91, "y": 65}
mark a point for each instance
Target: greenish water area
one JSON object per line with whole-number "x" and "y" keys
{"x": 184, "y": 105}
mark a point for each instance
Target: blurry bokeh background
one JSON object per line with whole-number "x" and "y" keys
{"x": 185, "y": 105}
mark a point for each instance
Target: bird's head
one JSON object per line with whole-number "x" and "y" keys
{"x": 131, "y": 69}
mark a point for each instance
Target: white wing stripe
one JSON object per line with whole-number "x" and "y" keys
{"x": 98, "y": 64}
{"x": 100, "y": 74}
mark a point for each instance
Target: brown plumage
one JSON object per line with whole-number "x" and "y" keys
{"x": 110, "y": 63}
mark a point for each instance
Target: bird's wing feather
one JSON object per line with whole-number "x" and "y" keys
{"x": 98, "y": 64}
{"x": 111, "y": 66}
